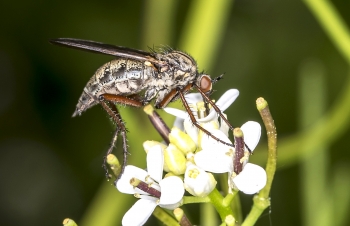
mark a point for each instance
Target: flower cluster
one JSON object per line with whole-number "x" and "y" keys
{"x": 190, "y": 159}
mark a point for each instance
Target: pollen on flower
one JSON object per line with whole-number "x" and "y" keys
{"x": 233, "y": 175}
{"x": 229, "y": 153}
{"x": 134, "y": 182}
{"x": 137, "y": 195}
{"x": 202, "y": 111}
{"x": 243, "y": 159}
{"x": 148, "y": 179}
{"x": 193, "y": 173}
{"x": 150, "y": 184}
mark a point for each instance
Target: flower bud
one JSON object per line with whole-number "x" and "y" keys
{"x": 148, "y": 144}
{"x": 69, "y": 222}
{"x": 182, "y": 140}
{"x": 175, "y": 160}
{"x": 114, "y": 164}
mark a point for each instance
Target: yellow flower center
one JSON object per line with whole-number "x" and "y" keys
{"x": 193, "y": 173}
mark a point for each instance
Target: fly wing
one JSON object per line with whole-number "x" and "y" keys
{"x": 108, "y": 49}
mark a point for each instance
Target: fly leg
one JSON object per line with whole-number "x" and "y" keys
{"x": 195, "y": 122}
{"x": 120, "y": 128}
{"x": 171, "y": 95}
{"x": 180, "y": 92}
{"x": 108, "y": 102}
{"x": 208, "y": 100}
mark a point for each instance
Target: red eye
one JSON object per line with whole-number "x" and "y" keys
{"x": 205, "y": 83}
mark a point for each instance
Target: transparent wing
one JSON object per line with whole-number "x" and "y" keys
{"x": 108, "y": 49}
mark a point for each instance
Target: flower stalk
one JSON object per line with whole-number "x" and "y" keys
{"x": 217, "y": 200}
{"x": 164, "y": 217}
{"x": 157, "y": 122}
{"x": 261, "y": 201}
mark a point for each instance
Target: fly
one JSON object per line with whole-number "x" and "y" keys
{"x": 136, "y": 78}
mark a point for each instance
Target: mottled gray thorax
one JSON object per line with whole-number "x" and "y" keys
{"x": 181, "y": 71}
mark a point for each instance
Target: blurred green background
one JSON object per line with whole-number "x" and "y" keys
{"x": 50, "y": 163}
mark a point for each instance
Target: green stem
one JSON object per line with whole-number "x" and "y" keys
{"x": 314, "y": 168}
{"x": 159, "y": 31}
{"x": 332, "y": 23}
{"x": 164, "y": 217}
{"x": 229, "y": 197}
{"x": 217, "y": 200}
{"x": 194, "y": 199}
{"x": 237, "y": 209}
{"x": 271, "y": 143}
{"x": 261, "y": 200}
{"x": 202, "y": 33}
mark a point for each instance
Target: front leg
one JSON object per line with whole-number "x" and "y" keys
{"x": 195, "y": 122}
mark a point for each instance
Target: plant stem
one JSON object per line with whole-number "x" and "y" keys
{"x": 194, "y": 199}
{"x": 164, "y": 217}
{"x": 261, "y": 200}
{"x": 217, "y": 200}
{"x": 332, "y": 23}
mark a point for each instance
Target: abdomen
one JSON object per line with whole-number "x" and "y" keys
{"x": 120, "y": 76}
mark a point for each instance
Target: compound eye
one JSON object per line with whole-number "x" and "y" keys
{"x": 205, "y": 83}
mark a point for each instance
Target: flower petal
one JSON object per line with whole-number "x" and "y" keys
{"x": 208, "y": 142}
{"x": 193, "y": 98}
{"x": 139, "y": 213}
{"x": 211, "y": 116}
{"x": 191, "y": 130}
{"x": 223, "y": 126}
{"x": 155, "y": 162}
{"x": 172, "y": 190}
{"x": 123, "y": 184}
{"x": 179, "y": 123}
{"x": 223, "y": 103}
{"x": 215, "y": 161}
{"x": 251, "y": 180}
{"x": 176, "y": 112}
{"x": 252, "y": 132}
{"x": 227, "y": 99}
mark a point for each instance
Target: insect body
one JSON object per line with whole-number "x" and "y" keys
{"x": 136, "y": 77}
{"x": 126, "y": 77}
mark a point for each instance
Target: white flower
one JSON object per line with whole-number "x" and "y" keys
{"x": 198, "y": 182}
{"x": 183, "y": 120}
{"x": 219, "y": 158}
{"x": 171, "y": 189}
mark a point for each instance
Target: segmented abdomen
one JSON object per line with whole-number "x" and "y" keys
{"x": 120, "y": 76}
